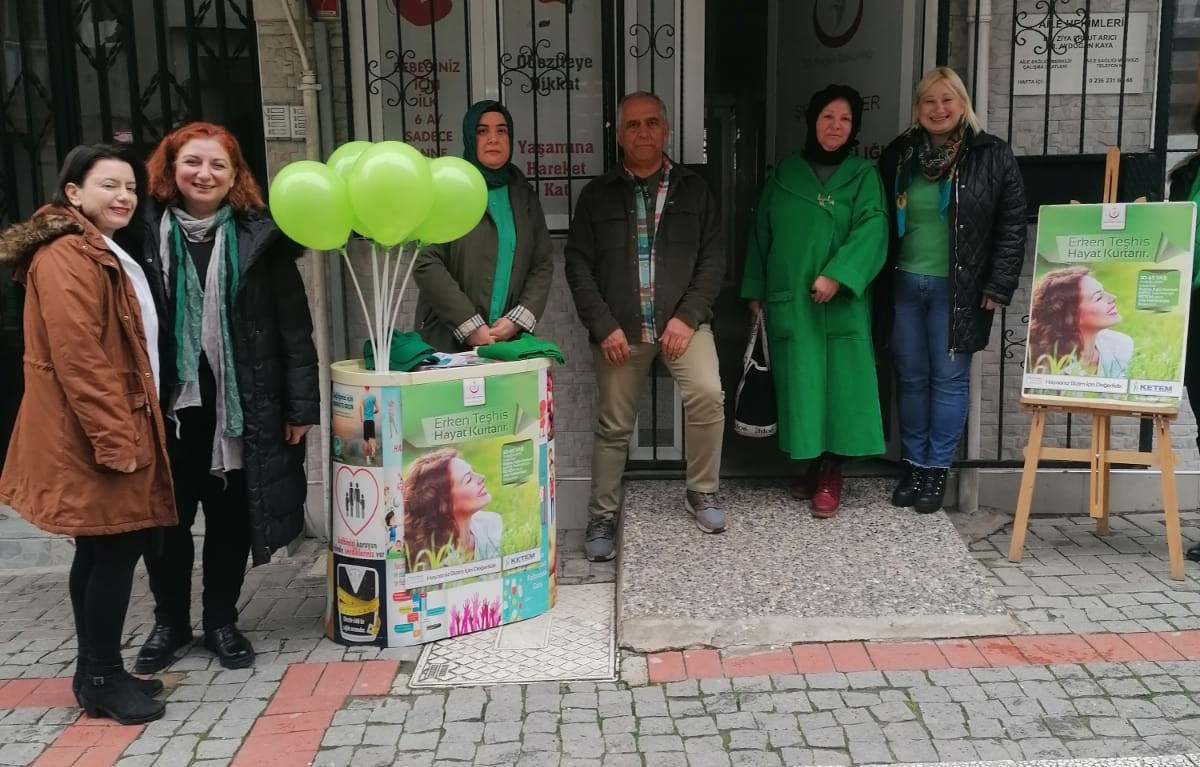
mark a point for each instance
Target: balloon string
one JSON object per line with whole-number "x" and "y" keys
{"x": 393, "y": 303}
{"x": 361, "y": 299}
{"x": 403, "y": 285}
{"x": 381, "y": 360}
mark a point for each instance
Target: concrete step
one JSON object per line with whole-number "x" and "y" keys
{"x": 779, "y": 576}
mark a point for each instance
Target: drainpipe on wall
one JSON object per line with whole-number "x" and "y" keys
{"x": 315, "y": 520}
{"x": 980, "y": 24}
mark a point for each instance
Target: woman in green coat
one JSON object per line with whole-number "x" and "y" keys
{"x": 492, "y": 283}
{"x": 818, "y": 240}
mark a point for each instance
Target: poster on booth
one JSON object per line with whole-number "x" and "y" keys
{"x": 1112, "y": 286}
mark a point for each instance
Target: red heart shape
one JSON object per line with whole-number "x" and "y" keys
{"x": 345, "y": 475}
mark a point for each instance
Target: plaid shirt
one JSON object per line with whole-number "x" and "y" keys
{"x": 646, "y": 244}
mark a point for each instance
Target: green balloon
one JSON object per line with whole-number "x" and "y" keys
{"x": 459, "y": 201}
{"x": 342, "y": 161}
{"x": 390, "y": 191}
{"x": 309, "y": 204}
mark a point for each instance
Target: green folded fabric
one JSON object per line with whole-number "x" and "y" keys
{"x": 407, "y": 351}
{"x": 523, "y": 347}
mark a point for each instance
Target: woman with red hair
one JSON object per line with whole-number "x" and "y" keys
{"x": 239, "y": 381}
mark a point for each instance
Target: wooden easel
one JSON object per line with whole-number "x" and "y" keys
{"x": 1098, "y": 454}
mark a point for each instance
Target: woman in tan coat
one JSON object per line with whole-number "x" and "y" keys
{"x": 87, "y": 456}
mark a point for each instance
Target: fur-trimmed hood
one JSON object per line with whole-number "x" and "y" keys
{"x": 21, "y": 241}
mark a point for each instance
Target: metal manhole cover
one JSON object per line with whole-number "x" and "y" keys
{"x": 572, "y": 642}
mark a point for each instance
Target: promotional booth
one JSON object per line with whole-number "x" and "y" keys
{"x": 443, "y": 500}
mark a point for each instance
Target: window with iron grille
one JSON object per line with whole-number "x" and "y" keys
{"x": 560, "y": 66}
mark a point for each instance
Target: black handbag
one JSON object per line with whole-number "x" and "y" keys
{"x": 754, "y": 409}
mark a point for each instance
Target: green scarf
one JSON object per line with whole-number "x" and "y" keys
{"x": 195, "y": 328}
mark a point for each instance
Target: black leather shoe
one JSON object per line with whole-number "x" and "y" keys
{"x": 231, "y": 646}
{"x": 159, "y": 650}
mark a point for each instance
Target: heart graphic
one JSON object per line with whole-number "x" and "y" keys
{"x": 356, "y": 495}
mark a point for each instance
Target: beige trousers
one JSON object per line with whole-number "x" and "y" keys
{"x": 696, "y": 372}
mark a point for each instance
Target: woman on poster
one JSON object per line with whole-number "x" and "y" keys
{"x": 493, "y": 282}
{"x": 1070, "y": 327}
{"x": 1185, "y": 186}
{"x": 819, "y": 238}
{"x": 444, "y": 521}
{"x": 88, "y": 454}
{"x": 957, "y": 242}
{"x": 239, "y": 379}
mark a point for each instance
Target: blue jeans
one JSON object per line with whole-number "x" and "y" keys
{"x": 932, "y": 384}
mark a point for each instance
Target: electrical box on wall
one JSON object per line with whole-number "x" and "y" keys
{"x": 284, "y": 122}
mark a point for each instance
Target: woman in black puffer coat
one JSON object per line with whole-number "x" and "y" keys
{"x": 1185, "y": 185}
{"x": 958, "y": 221}
{"x": 240, "y": 383}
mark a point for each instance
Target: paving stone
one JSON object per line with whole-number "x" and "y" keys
{"x": 656, "y": 725}
{"x": 705, "y": 743}
{"x": 504, "y": 732}
{"x": 751, "y": 684}
{"x": 869, "y": 752}
{"x": 343, "y": 735}
{"x": 693, "y": 726}
{"x": 469, "y": 732}
{"x": 825, "y": 737}
{"x": 747, "y": 739}
{"x": 650, "y": 744}
{"x": 497, "y": 753}
{"x": 539, "y": 742}
{"x": 754, "y": 759}
{"x": 721, "y": 703}
{"x": 913, "y": 751}
{"x": 710, "y": 759}
{"x": 681, "y": 707}
{"x": 828, "y": 681}
{"x": 613, "y": 726}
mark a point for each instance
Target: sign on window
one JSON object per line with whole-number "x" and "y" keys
{"x": 551, "y": 81}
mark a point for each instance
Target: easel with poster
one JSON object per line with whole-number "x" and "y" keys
{"x": 1099, "y": 268}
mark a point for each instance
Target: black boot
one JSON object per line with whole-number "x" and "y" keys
{"x": 150, "y": 687}
{"x": 932, "y": 492}
{"x": 906, "y": 492}
{"x": 117, "y": 697}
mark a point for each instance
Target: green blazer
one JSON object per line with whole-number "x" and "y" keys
{"x": 455, "y": 279}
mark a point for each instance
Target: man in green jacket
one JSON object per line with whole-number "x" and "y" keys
{"x": 644, "y": 263}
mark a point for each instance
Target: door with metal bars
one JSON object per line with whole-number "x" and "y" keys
{"x": 119, "y": 71}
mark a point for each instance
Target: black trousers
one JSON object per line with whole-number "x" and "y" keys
{"x": 100, "y": 583}
{"x": 226, "y": 530}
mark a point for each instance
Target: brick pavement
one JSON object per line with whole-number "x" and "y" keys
{"x": 1076, "y": 687}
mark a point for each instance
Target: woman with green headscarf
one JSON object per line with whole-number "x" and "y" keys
{"x": 492, "y": 283}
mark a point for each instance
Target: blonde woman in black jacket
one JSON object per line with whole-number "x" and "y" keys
{"x": 958, "y": 219}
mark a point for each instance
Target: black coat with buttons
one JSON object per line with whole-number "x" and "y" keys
{"x": 277, "y": 369}
{"x": 987, "y": 221}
